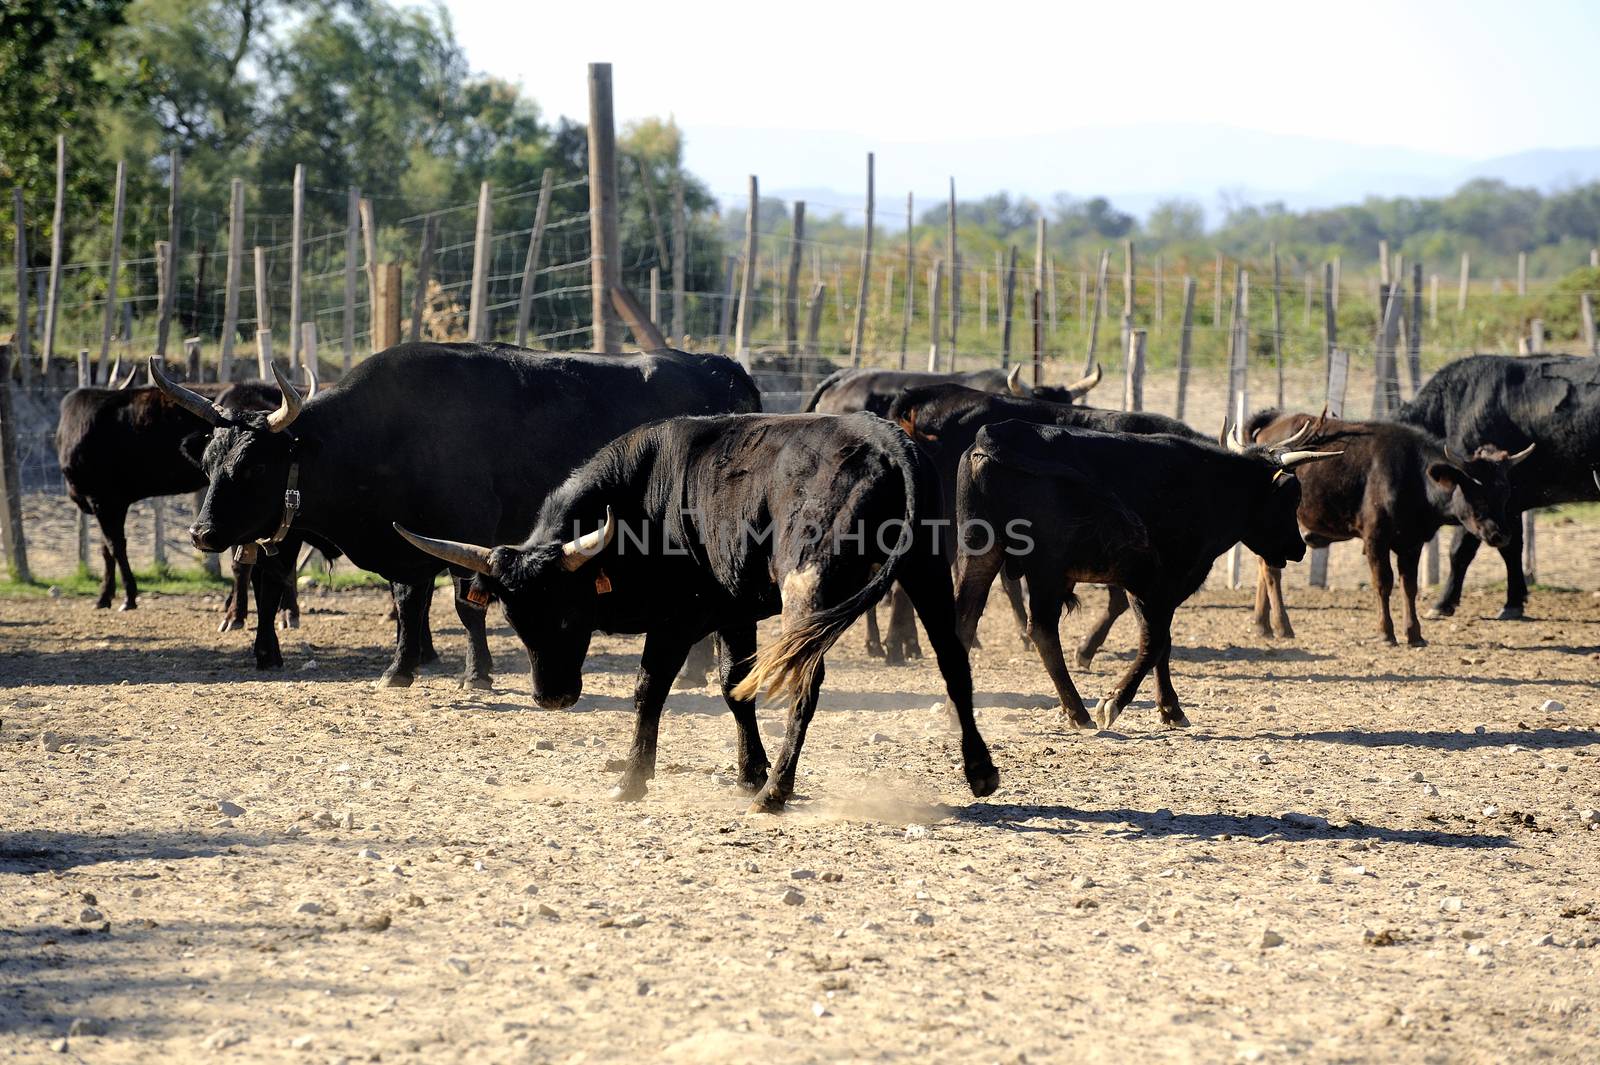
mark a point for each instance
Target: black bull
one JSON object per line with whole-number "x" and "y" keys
{"x": 701, "y": 525}
{"x": 1549, "y": 400}
{"x": 117, "y": 446}
{"x": 945, "y": 419}
{"x": 462, "y": 439}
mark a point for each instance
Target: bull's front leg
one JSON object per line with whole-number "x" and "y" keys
{"x": 1408, "y": 557}
{"x": 1463, "y": 546}
{"x": 901, "y": 643}
{"x": 474, "y": 618}
{"x": 663, "y": 657}
{"x": 1280, "y": 611}
{"x": 1516, "y": 576}
{"x": 736, "y": 647}
{"x": 411, "y": 606}
{"x": 268, "y": 581}
{"x": 1172, "y": 714}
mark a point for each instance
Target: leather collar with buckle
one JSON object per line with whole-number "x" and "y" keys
{"x": 246, "y": 553}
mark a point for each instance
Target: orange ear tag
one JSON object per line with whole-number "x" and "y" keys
{"x": 477, "y": 596}
{"x": 602, "y": 583}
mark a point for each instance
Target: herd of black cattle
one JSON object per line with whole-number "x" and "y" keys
{"x": 649, "y": 494}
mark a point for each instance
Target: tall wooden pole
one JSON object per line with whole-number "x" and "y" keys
{"x": 935, "y": 296}
{"x": 604, "y": 256}
{"x": 747, "y": 283}
{"x": 57, "y": 239}
{"x": 911, "y": 285}
{"x": 680, "y": 252}
{"x": 168, "y": 279}
{"x": 1094, "y": 317}
{"x": 12, "y": 536}
{"x": 1185, "y": 340}
{"x": 1007, "y": 304}
{"x": 482, "y": 246}
{"x": 1039, "y": 235}
{"x": 857, "y": 335}
{"x": 1466, "y": 274}
{"x": 953, "y": 257}
{"x": 233, "y": 280}
{"x": 19, "y": 250}
{"x": 112, "y": 268}
{"x": 1277, "y": 320}
{"x": 369, "y": 241}
{"x": 530, "y": 265}
{"x": 1522, "y": 273}
{"x": 297, "y": 249}
{"x": 1414, "y": 330}
{"x": 263, "y": 317}
{"x": 791, "y": 286}
{"x": 352, "y": 267}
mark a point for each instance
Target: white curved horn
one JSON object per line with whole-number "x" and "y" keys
{"x": 1084, "y": 384}
{"x": 1290, "y": 459}
{"x": 1235, "y": 444}
{"x": 1295, "y": 437}
{"x": 574, "y": 553}
{"x": 468, "y": 556}
{"x": 1014, "y": 383}
{"x": 189, "y": 400}
{"x": 289, "y": 408}
{"x": 1524, "y": 453}
{"x": 311, "y": 380}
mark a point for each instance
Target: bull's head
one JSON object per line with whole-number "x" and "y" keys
{"x": 1072, "y": 393}
{"x": 246, "y": 459}
{"x": 550, "y": 591}
{"x": 1273, "y": 526}
{"x": 1479, "y": 490}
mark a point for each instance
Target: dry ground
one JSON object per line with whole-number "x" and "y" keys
{"x": 1408, "y": 822}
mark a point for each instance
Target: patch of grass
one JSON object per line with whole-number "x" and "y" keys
{"x": 1585, "y": 513}
{"x": 166, "y": 580}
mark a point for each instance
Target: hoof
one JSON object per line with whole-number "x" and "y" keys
{"x": 628, "y": 791}
{"x": 272, "y": 661}
{"x": 1286, "y": 634}
{"x": 1027, "y": 644}
{"x": 1388, "y": 638}
{"x": 476, "y": 683}
{"x": 230, "y": 624}
{"x": 1174, "y": 719}
{"x": 427, "y": 657}
{"x": 1082, "y": 661}
{"x": 1509, "y": 613}
{"x": 753, "y": 780}
{"x": 131, "y": 605}
{"x": 392, "y": 679}
{"x": 1440, "y": 610}
{"x": 766, "y": 804}
{"x": 103, "y": 604}
{"x": 1264, "y": 631}
{"x": 1106, "y": 714}
{"x": 875, "y": 649}
{"x": 1081, "y": 721}
{"x": 1416, "y": 641}
{"x": 289, "y": 621}
{"x": 984, "y": 780}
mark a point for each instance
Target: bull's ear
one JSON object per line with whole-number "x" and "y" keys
{"x": 193, "y": 447}
{"x": 1446, "y": 476}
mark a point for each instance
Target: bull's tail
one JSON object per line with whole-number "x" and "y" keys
{"x": 787, "y": 668}
{"x": 822, "y": 386}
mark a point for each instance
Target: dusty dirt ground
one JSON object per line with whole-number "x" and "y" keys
{"x": 436, "y": 875}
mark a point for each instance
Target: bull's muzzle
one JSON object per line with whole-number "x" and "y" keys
{"x": 204, "y": 537}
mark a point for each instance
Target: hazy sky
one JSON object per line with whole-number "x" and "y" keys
{"x": 1472, "y": 79}
{"x": 1443, "y": 82}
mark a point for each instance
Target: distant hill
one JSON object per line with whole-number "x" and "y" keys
{"x": 1134, "y": 166}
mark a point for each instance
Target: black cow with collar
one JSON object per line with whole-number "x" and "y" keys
{"x": 463, "y": 439}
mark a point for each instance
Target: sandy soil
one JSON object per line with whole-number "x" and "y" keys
{"x": 436, "y": 875}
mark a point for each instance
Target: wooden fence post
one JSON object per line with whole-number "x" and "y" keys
{"x": 352, "y": 257}
{"x": 1330, "y": 316}
{"x": 1586, "y": 309}
{"x": 1530, "y": 553}
{"x": 1038, "y": 287}
{"x": 14, "y": 537}
{"x": 935, "y": 294}
{"x": 1185, "y": 339}
{"x": 263, "y": 317}
{"x": 369, "y": 239}
{"x": 112, "y": 268}
{"x": 1338, "y": 378}
{"x": 814, "y": 307}
{"x": 725, "y": 314}
{"x": 1311, "y": 285}
{"x": 163, "y": 290}
{"x": 1414, "y": 330}
{"x": 19, "y": 249}
{"x": 1522, "y": 273}
{"x": 747, "y": 275}
{"x": 1240, "y": 406}
{"x": 308, "y": 346}
{"x": 791, "y": 285}
{"x": 604, "y": 256}
{"x": 297, "y": 249}
{"x": 1536, "y": 336}
{"x": 857, "y": 340}
{"x": 1127, "y": 295}
{"x": 1386, "y": 381}
{"x": 1007, "y": 303}
{"x": 1277, "y": 320}
{"x": 680, "y": 251}
{"x": 419, "y": 295}
{"x": 655, "y": 297}
{"x": 953, "y": 257}
{"x": 57, "y": 235}
{"x": 1161, "y": 295}
{"x": 232, "y": 281}
{"x": 386, "y": 313}
{"x": 1050, "y": 284}
{"x": 1466, "y": 273}
{"x": 482, "y": 245}
{"x": 1094, "y": 317}
{"x": 1133, "y": 379}
{"x": 1239, "y": 335}
{"x": 911, "y": 285}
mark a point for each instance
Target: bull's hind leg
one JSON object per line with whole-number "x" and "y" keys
{"x": 1383, "y": 584}
{"x": 113, "y": 531}
{"x": 1045, "y": 629}
{"x": 975, "y": 574}
{"x": 1463, "y": 546}
{"x": 474, "y": 618}
{"x": 736, "y": 646}
{"x": 926, "y": 579}
{"x": 663, "y": 658}
{"x": 1019, "y": 612}
{"x": 1155, "y": 643}
{"x": 780, "y": 779}
{"x": 1172, "y": 714}
{"x": 1263, "y": 620}
{"x": 108, "y": 580}
{"x": 1116, "y": 606}
{"x": 874, "y": 641}
{"x": 901, "y": 644}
